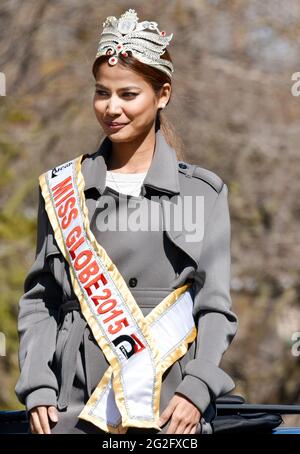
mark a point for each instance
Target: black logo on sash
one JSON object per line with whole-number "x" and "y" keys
{"x": 56, "y": 170}
{"x": 128, "y": 345}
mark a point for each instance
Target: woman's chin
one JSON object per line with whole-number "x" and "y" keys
{"x": 115, "y": 132}
{"x": 120, "y": 135}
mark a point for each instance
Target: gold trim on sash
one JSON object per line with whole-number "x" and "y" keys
{"x": 172, "y": 357}
{"x": 142, "y": 322}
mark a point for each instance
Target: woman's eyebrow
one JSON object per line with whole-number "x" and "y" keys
{"x": 123, "y": 88}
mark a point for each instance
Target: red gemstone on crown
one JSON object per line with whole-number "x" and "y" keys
{"x": 163, "y": 33}
{"x": 120, "y": 46}
{"x": 124, "y": 54}
{"x": 112, "y": 61}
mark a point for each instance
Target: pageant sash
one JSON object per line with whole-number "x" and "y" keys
{"x": 137, "y": 348}
{"x": 172, "y": 326}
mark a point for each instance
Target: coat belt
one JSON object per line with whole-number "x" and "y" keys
{"x": 77, "y": 334}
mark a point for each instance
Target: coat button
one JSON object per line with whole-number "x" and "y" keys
{"x": 182, "y": 166}
{"x": 133, "y": 281}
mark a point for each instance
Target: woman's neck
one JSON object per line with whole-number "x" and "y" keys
{"x": 132, "y": 157}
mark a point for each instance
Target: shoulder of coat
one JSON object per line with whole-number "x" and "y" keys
{"x": 195, "y": 171}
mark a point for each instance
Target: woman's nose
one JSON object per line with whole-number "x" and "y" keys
{"x": 113, "y": 107}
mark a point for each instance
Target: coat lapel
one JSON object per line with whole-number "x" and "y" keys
{"x": 162, "y": 175}
{"x": 178, "y": 238}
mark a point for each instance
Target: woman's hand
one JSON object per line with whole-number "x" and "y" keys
{"x": 185, "y": 417}
{"x": 39, "y": 419}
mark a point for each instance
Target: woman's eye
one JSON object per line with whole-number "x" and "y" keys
{"x": 104, "y": 93}
{"x": 100, "y": 92}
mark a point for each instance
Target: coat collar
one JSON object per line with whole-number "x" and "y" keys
{"x": 162, "y": 174}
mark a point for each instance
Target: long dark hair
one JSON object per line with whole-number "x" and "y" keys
{"x": 156, "y": 78}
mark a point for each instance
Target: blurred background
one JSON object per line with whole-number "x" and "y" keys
{"x": 233, "y": 108}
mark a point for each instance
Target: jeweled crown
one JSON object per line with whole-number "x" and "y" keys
{"x": 143, "y": 39}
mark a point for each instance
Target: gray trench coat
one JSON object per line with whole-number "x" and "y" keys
{"x": 60, "y": 362}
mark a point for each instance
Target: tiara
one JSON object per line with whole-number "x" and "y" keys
{"x": 143, "y": 39}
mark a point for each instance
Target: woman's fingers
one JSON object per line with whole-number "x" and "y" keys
{"x": 39, "y": 419}
{"x": 53, "y": 414}
{"x": 181, "y": 428}
{"x": 44, "y": 421}
{"x": 35, "y": 422}
{"x": 31, "y": 425}
{"x": 184, "y": 416}
{"x": 166, "y": 414}
{"x": 189, "y": 429}
{"x": 196, "y": 429}
{"x": 175, "y": 422}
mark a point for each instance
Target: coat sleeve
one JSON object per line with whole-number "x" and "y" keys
{"x": 203, "y": 379}
{"x": 37, "y": 325}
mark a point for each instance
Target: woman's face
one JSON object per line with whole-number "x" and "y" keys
{"x": 123, "y": 96}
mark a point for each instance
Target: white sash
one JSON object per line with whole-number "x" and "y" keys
{"x": 139, "y": 349}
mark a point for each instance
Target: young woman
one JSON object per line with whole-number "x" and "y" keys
{"x": 123, "y": 324}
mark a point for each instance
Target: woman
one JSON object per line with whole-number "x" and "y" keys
{"x": 82, "y": 369}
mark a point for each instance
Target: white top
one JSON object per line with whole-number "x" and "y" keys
{"x": 125, "y": 183}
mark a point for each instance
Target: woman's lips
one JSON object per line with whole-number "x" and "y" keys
{"x": 116, "y": 125}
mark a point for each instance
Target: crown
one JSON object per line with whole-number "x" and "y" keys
{"x": 143, "y": 39}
